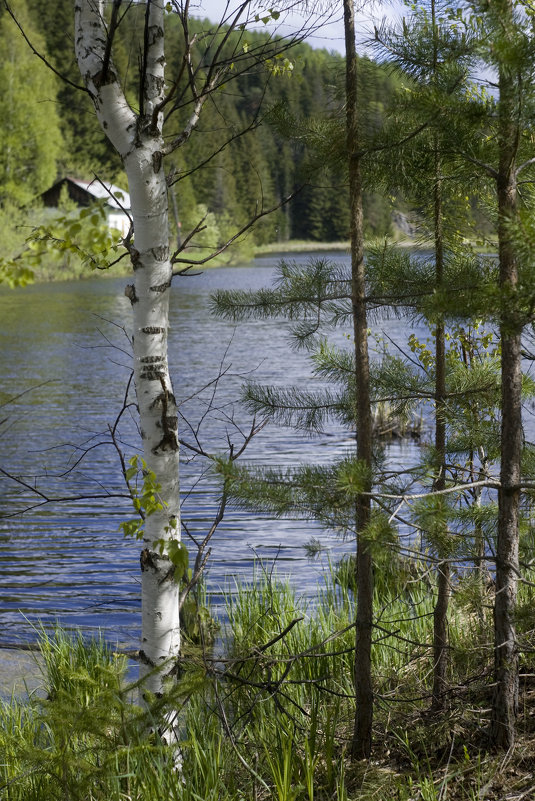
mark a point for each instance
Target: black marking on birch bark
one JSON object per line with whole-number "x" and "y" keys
{"x": 161, "y": 253}
{"x": 130, "y": 292}
{"x": 176, "y": 671}
{"x": 160, "y": 287}
{"x": 135, "y": 258}
{"x": 170, "y": 400}
{"x": 153, "y": 329}
{"x": 171, "y": 423}
{"x": 157, "y": 161}
{"x": 145, "y": 659}
{"x": 169, "y": 441}
{"x": 147, "y": 559}
{"x": 103, "y": 80}
{"x": 152, "y": 375}
{"x": 152, "y": 560}
{"x": 169, "y": 576}
{"x": 152, "y": 359}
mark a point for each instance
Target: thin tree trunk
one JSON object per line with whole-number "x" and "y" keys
{"x": 505, "y": 703}
{"x": 440, "y": 612}
{"x": 479, "y": 536}
{"x": 176, "y": 218}
{"x": 362, "y": 735}
{"x": 138, "y": 139}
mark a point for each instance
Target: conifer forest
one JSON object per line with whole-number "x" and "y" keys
{"x": 409, "y": 672}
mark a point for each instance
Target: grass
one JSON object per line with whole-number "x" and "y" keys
{"x": 272, "y": 717}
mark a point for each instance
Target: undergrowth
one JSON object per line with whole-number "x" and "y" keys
{"x": 268, "y": 713}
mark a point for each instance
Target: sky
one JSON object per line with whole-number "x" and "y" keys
{"x": 330, "y": 34}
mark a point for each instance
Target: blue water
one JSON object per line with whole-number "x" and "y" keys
{"x": 66, "y": 347}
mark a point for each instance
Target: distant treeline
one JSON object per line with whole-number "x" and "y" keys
{"x": 283, "y": 124}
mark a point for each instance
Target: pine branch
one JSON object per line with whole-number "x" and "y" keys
{"x": 299, "y": 291}
{"x": 324, "y": 493}
{"x": 305, "y": 410}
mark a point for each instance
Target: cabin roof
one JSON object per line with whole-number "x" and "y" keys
{"x": 103, "y": 189}
{"x": 83, "y": 192}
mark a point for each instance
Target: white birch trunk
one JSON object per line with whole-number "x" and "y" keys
{"x": 138, "y": 139}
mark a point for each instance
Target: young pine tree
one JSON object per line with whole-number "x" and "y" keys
{"x": 434, "y": 62}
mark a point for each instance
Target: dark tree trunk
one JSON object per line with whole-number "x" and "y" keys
{"x": 505, "y": 703}
{"x": 362, "y": 735}
{"x": 440, "y": 613}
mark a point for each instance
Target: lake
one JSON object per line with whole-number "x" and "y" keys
{"x": 65, "y": 361}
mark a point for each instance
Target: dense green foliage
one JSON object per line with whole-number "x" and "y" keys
{"x": 264, "y": 159}
{"x": 29, "y": 127}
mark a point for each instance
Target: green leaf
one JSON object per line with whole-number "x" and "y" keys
{"x": 176, "y": 552}
{"x": 132, "y": 528}
{"x": 130, "y": 473}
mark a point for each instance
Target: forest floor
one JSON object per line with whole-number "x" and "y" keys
{"x": 438, "y": 759}
{"x": 449, "y": 760}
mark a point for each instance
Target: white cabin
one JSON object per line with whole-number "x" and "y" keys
{"x": 83, "y": 193}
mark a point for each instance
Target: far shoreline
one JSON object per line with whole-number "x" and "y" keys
{"x": 276, "y": 249}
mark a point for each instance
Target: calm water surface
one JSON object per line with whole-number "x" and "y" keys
{"x": 66, "y": 347}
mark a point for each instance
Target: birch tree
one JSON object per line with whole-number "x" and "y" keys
{"x": 137, "y": 135}
{"x": 139, "y": 141}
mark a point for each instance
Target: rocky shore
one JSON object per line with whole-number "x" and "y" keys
{"x": 19, "y": 672}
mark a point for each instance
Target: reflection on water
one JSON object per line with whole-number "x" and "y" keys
{"x": 68, "y": 343}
